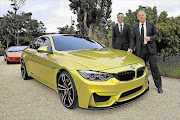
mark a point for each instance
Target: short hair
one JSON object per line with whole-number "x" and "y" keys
{"x": 141, "y": 11}
{"x": 119, "y": 14}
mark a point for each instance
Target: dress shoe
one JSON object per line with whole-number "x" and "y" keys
{"x": 160, "y": 90}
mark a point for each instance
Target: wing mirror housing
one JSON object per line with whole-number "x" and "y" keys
{"x": 44, "y": 49}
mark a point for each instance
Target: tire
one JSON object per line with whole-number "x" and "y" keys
{"x": 148, "y": 85}
{"x": 24, "y": 71}
{"x": 7, "y": 61}
{"x": 67, "y": 90}
{"x": 5, "y": 57}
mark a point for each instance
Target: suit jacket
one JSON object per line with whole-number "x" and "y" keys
{"x": 137, "y": 40}
{"x": 121, "y": 41}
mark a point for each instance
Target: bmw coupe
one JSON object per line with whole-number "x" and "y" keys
{"x": 83, "y": 72}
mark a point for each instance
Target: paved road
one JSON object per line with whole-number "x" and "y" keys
{"x": 31, "y": 100}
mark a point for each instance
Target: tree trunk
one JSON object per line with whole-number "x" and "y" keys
{"x": 88, "y": 30}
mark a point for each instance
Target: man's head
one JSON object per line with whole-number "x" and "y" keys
{"x": 120, "y": 17}
{"x": 141, "y": 15}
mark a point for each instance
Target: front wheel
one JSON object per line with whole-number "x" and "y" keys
{"x": 7, "y": 61}
{"x": 67, "y": 90}
{"x": 5, "y": 57}
{"x": 24, "y": 71}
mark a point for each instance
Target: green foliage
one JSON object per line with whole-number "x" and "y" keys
{"x": 67, "y": 30}
{"x": 1, "y": 47}
{"x": 168, "y": 28}
{"x": 109, "y": 35}
{"x": 169, "y": 65}
{"x": 91, "y": 13}
{"x": 169, "y": 33}
{"x": 15, "y": 27}
{"x": 131, "y": 17}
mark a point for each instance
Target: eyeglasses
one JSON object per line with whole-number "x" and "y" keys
{"x": 120, "y": 17}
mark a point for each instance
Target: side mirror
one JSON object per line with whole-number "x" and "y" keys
{"x": 44, "y": 49}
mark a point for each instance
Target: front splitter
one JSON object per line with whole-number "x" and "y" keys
{"x": 118, "y": 104}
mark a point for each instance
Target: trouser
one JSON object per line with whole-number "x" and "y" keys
{"x": 145, "y": 55}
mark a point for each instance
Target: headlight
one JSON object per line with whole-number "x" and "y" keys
{"x": 95, "y": 76}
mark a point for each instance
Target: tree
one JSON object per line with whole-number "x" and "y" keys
{"x": 1, "y": 46}
{"x": 17, "y": 4}
{"x": 131, "y": 17}
{"x": 90, "y": 13}
{"x": 66, "y": 30}
{"x": 109, "y": 35}
{"x": 23, "y": 28}
{"x": 168, "y": 32}
{"x": 168, "y": 28}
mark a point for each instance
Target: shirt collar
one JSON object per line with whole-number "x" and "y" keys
{"x": 143, "y": 23}
{"x": 121, "y": 24}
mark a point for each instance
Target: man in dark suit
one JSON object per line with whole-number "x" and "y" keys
{"x": 121, "y": 34}
{"x": 144, "y": 35}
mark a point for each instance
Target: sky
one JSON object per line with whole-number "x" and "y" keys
{"x": 57, "y": 13}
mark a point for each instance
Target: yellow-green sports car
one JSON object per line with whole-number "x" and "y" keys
{"x": 83, "y": 72}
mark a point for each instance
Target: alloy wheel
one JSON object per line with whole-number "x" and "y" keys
{"x": 66, "y": 90}
{"x": 23, "y": 69}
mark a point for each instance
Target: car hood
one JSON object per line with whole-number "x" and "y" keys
{"x": 101, "y": 59}
{"x": 14, "y": 54}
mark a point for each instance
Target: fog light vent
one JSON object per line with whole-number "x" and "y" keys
{"x": 98, "y": 98}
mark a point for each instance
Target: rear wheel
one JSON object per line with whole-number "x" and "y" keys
{"x": 24, "y": 71}
{"x": 67, "y": 90}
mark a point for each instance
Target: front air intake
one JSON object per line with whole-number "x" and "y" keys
{"x": 98, "y": 98}
{"x": 130, "y": 92}
{"x": 140, "y": 71}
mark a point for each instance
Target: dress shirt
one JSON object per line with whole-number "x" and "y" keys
{"x": 120, "y": 26}
{"x": 145, "y": 30}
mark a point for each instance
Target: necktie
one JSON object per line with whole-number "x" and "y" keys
{"x": 120, "y": 29}
{"x": 142, "y": 33}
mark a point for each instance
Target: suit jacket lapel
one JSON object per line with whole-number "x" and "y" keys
{"x": 117, "y": 27}
{"x": 138, "y": 30}
{"x": 124, "y": 27}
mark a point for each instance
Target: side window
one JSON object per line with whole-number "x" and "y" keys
{"x": 45, "y": 41}
{"x": 40, "y": 42}
{"x": 34, "y": 44}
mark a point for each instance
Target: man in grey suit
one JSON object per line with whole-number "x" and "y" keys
{"x": 121, "y": 34}
{"x": 144, "y": 35}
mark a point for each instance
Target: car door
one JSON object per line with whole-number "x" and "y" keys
{"x": 41, "y": 62}
{"x": 31, "y": 61}
{"x": 34, "y": 62}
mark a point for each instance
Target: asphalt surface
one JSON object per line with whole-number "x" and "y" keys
{"x": 31, "y": 100}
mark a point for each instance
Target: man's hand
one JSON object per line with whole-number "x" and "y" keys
{"x": 129, "y": 51}
{"x": 147, "y": 39}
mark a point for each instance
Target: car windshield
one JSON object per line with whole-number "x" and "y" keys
{"x": 63, "y": 43}
{"x": 16, "y": 48}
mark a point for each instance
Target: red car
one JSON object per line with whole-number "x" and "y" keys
{"x": 13, "y": 53}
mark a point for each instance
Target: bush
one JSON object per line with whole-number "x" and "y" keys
{"x": 169, "y": 65}
{"x": 1, "y": 49}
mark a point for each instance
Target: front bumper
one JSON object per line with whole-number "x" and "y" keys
{"x": 107, "y": 93}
